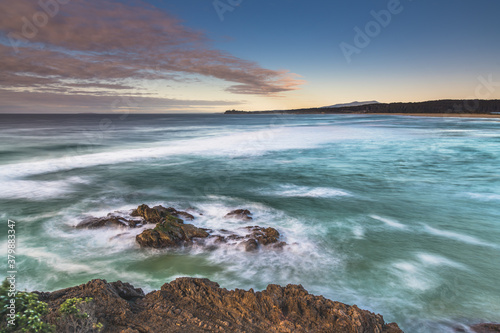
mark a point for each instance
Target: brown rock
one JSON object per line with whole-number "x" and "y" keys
{"x": 103, "y": 222}
{"x": 242, "y": 214}
{"x": 112, "y": 302}
{"x": 172, "y": 211}
{"x": 200, "y": 305}
{"x": 171, "y": 232}
{"x": 150, "y": 215}
{"x": 250, "y": 245}
{"x": 185, "y": 215}
{"x": 264, "y": 236}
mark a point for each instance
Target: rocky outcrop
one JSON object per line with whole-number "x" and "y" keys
{"x": 200, "y": 305}
{"x": 241, "y": 214}
{"x": 109, "y": 221}
{"x": 152, "y": 215}
{"x": 254, "y": 238}
{"x": 171, "y": 231}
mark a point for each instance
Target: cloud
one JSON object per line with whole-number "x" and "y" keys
{"x": 54, "y": 102}
{"x": 106, "y": 45}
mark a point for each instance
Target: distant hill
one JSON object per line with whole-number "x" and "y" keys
{"x": 450, "y": 106}
{"x": 356, "y": 103}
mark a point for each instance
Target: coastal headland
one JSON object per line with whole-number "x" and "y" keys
{"x": 438, "y": 108}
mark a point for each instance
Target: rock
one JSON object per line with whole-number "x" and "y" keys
{"x": 113, "y": 302}
{"x": 108, "y": 221}
{"x": 250, "y": 245}
{"x": 171, "y": 232}
{"x": 264, "y": 236}
{"x": 219, "y": 239}
{"x": 174, "y": 212}
{"x": 150, "y": 215}
{"x": 185, "y": 215}
{"x": 256, "y": 236}
{"x": 279, "y": 245}
{"x": 486, "y": 328}
{"x": 200, "y": 305}
{"x": 242, "y": 214}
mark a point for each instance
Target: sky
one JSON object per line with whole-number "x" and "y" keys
{"x": 104, "y": 56}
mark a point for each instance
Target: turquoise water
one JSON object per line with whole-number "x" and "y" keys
{"x": 399, "y": 215}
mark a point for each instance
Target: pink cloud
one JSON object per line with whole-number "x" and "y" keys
{"x": 56, "y": 102}
{"x": 102, "y": 43}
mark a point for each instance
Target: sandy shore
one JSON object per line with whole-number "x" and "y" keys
{"x": 454, "y": 115}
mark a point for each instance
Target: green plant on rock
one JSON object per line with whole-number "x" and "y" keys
{"x": 78, "y": 315}
{"x": 27, "y": 314}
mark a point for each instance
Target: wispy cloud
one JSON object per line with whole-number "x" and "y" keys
{"x": 106, "y": 45}
{"x": 55, "y": 102}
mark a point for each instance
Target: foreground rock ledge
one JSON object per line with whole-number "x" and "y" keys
{"x": 200, "y": 305}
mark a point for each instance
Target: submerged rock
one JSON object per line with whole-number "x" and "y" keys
{"x": 200, "y": 305}
{"x": 242, "y": 214}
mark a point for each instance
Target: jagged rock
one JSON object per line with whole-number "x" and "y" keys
{"x": 108, "y": 221}
{"x": 185, "y": 215}
{"x": 242, "y": 214}
{"x": 250, "y": 245}
{"x": 171, "y": 232}
{"x": 174, "y": 212}
{"x": 264, "y": 236}
{"x": 150, "y": 215}
{"x": 200, "y": 305}
{"x": 257, "y": 236}
{"x": 112, "y": 301}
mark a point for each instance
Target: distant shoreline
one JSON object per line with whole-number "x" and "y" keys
{"x": 439, "y": 108}
{"x": 447, "y": 115}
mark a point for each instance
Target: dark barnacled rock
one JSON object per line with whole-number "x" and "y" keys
{"x": 200, "y": 305}
{"x": 242, "y": 214}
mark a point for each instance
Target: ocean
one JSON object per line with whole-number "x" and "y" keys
{"x": 399, "y": 215}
